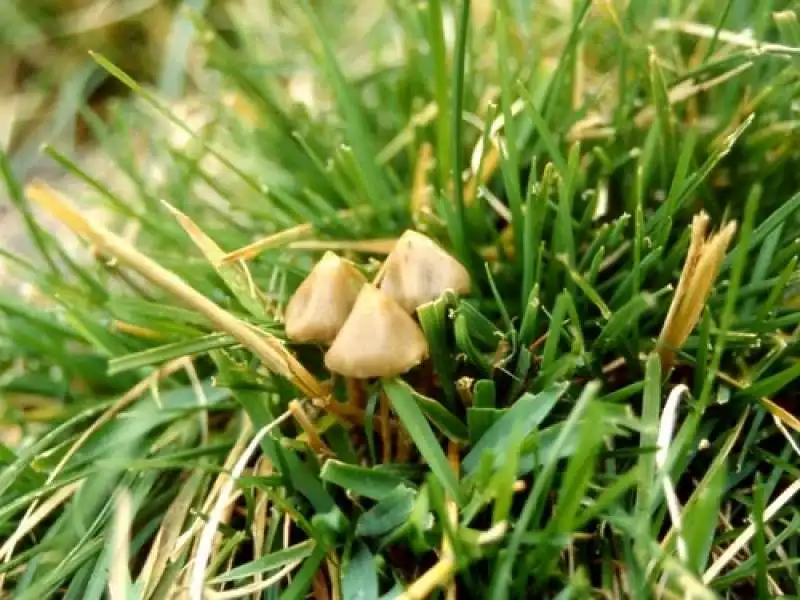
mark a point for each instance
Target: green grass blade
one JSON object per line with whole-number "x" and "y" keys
{"x": 421, "y": 434}
{"x": 360, "y": 575}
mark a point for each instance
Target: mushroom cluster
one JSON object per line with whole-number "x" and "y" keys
{"x": 368, "y": 327}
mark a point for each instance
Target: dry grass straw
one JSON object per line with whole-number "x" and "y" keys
{"x": 700, "y": 269}
{"x": 749, "y": 532}
{"x": 118, "y": 574}
{"x": 374, "y": 246}
{"x": 275, "y": 240}
{"x": 136, "y": 330}
{"x": 299, "y": 237}
{"x": 452, "y": 516}
{"x": 268, "y": 348}
{"x": 206, "y": 543}
{"x": 158, "y": 558}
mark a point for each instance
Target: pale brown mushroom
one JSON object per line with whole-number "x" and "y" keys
{"x": 321, "y": 304}
{"x": 378, "y": 339}
{"x": 418, "y": 271}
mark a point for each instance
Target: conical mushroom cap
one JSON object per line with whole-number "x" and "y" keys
{"x": 418, "y": 271}
{"x": 378, "y": 339}
{"x": 319, "y": 307}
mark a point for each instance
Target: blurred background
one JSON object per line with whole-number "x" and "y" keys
{"x": 47, "y": 72}
{"x": 50, "y": 86}
{"x": 52, "y": 91}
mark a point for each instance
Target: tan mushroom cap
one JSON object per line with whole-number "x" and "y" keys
{"x": 321, "y": 304}
{"x": 378, "y": 339}
{"x": 418, "y": 271}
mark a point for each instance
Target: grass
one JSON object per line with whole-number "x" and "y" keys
{"x": 162, "y": 438}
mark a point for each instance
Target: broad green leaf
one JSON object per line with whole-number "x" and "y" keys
{"x": 360, "y": 575}
{"x": 388, "y": 514}
{"x": 362, "y": 481}
{"x": 703, "y": 516}
{"x": 528, "y": 413}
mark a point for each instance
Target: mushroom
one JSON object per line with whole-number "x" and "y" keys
{"x": 418, "y": 271}
{"x": 321, "y": 304}
{"x": 378, "y": 339}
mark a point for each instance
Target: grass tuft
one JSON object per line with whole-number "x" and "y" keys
{"x": 607, "y": 410}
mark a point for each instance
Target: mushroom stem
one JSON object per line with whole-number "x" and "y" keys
{"x": 403, "y": 445}
{"x": 314, "y": 440}
{"x": 451, "y": 510}
{"x": 348, "y": 414}
{"x": 356, "y": 396}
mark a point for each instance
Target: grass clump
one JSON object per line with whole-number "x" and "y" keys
{"x": 607, "y": 410}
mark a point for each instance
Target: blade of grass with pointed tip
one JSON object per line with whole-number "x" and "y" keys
{"x": 534, "y": 216}
{"x": 646, "y": 466}
{"x": 265, "y": 564}
{"x": 533, "y": 507}
{"x": 728, "y": 313}
{"x": 434, "y": 320}
{"x": 664, "y": 116}
{"x": 661, "y": 227}
{"x": 554, "y": 332}
{"x": 557, "y": 86}
{"x": 527, "y": 329}
{"x": 717, "y": 464}
{"x": 422, "y": 435}
{"x": 162, "y": 354}
{"x": 457, "y": 227}
{"x": 115, "y": 201}
{"x": 165, "y": 111}
{"x": 38, "y": 235}
{"x": 698, "y": 177}
{"x": 780, "y": 215}
{"x": 444, "y": 420}
{"x": 440, "y": 81}
{"x": 563, "y": 232}
{"x": 301, "y": 581}
{"x": 547, "y": 138}
{"x": 703, "y": 515}
{"x": 622, "y": 320}
{"x": 233, "y": 275}
{"x": 359, "y": 136}
{"x": 589, "y": 291}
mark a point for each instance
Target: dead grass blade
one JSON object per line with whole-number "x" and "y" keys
{"x": 268, "y": 348}
{"x": 694, "y": 286}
